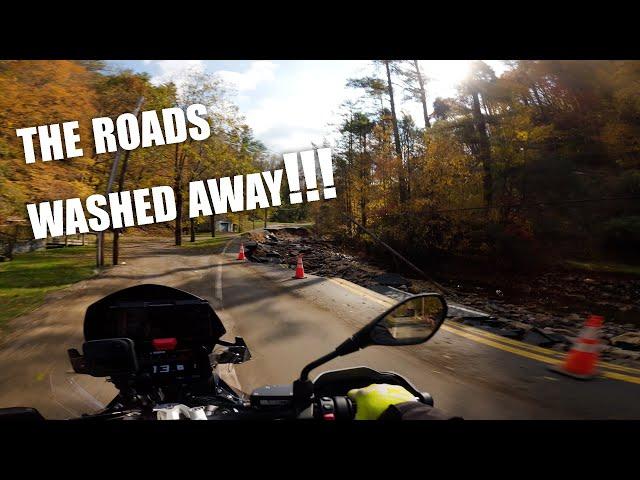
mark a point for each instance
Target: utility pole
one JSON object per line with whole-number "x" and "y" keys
{"x": 398, "y": 255}
{"x": 112, "y": 176}
{"x": 116, "y": 232}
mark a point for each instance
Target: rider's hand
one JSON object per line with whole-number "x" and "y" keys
{"x": 373, "y": 400}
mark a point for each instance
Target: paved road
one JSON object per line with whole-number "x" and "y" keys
{"x": 469, "y": 372}
{"x": 288, "y": 323}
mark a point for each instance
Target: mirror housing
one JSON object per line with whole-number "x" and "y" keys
{"x": 105, "y": 358}
{"x": 410, "y": 322}
{"x": 423, "y": 315}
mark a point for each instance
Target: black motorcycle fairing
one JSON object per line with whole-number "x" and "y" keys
{"x": 149, "y": 311}
{"x": 20, "y": 414}
{"x": 212, "y": 390}
{"x": 334, "y": 383}
{"x": 173, "y": 334}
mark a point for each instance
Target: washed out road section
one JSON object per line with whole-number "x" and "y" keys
{"x": 466, "y": 377}
{"x": 287, "y": 323}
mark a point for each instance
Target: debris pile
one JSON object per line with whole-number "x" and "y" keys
{"x": 535, "y": 320}
{"x": 321, "y": 257}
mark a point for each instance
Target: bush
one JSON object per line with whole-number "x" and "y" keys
{"x": 621, "y": 237}
{"x": 514, "y": 247}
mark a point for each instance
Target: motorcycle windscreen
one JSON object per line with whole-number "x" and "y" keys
{"x": 146, "y": 312}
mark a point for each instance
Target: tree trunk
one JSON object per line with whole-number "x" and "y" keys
{"x": 13, "y": 240}
{"x": 192, "y": 229}
{"x": 177, "y": 188}
{"x": 100, "y": 249}
{"x": 178, "y": 229}
{"x": 423, "y": 95}
{"x": 212, "y": 224}
{"x": 394, "y": 118}
{"x": 266, "y": 214}
{"x": 396, "y": 133}
{"x": 364, "y": 179}
{"x": 484, "y": 150}
{"x": 347, "y": 174}
{"x": 116, "y": 247}
{"x": 123, "y": 171}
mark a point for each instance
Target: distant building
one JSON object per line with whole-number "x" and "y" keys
{"x": 226, "y": 225}
{"x": 222, "y": 223}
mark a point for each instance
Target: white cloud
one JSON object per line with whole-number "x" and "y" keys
{"x": 297, "y": 109}
{"x": 301, "y": 108}
{"x": 291, "y": 123}
{"x": 258, "y": 72}
{"x": 174, "y": 70}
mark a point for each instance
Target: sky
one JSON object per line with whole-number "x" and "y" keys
{"x": 293, "y": 103}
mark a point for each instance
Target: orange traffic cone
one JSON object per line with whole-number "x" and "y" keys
{"x": 299, "y": 268}
{"x": 241, "y": 253}
{"x": 583, "y": 356}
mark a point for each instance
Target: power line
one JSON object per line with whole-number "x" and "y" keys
{"x": 537, "y": 204}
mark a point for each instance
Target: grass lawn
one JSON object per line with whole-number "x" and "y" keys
{"x": 605, "y": 267}
{"x": 25, "y": 280}
{"x": 205, "y": 240}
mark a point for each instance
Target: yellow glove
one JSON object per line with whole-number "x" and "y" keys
{"x": 373, "y": 400}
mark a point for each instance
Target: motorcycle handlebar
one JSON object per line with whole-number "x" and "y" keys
{"x": 324, "y": 408}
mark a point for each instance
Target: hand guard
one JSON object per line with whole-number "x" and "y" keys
{"x": 373, "y": 400}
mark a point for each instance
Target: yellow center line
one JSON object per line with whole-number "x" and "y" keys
{"x": 620, "y": 376}
{"x": 515, "y": 347}
{"x": 510, "y": 341}
{"x": 357, "y": 289}
{"x": 535, "y": 356}
{"x": 535, "y": 348}
{"x": 619, "y": 368}
{"x": 501, "y": 346}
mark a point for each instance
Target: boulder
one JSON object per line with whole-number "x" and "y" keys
{"x": 621, "y": 353}
{"x": 391, "y": 279}
{"x": 536, "y": 336}
{"x": 627, "y": 341}
{"x": 560, "y": 331}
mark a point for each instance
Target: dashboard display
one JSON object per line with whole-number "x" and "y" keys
{"x": 146, "y": 312}
{"x": 186, "y": 322}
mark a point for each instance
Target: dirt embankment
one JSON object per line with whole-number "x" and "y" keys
{"x": 547, "y": 309}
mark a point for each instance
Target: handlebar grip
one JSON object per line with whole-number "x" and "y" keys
{"x": 344, "y": 408}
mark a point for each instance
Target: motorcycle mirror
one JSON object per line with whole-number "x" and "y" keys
{"x": 412, "y": 321}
